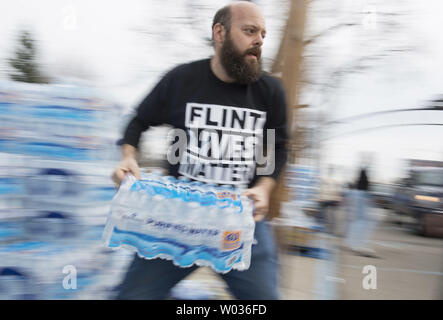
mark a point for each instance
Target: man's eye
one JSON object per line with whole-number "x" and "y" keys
{"x": 250, "y": 31}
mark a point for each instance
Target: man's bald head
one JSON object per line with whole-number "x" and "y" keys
{"x": 243, "y": 9}
{"x": 235, "y": 10}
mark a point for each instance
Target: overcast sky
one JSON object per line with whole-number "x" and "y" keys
{"x": 401, "y": 50}
{"x": 125, "y": 46}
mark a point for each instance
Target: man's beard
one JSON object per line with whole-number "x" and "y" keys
{"x": 235, "y": 64}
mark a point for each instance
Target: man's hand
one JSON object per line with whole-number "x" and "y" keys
{"x": 128, "y": 164}
{"x": 261, "y": 195}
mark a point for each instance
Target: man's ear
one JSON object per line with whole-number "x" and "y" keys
{"x": 219, "y": 33}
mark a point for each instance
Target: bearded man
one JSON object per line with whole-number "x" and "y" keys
{"x": 225, "y": 98}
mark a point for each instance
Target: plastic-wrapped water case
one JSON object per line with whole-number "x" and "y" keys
{"x": 186, "y": 222}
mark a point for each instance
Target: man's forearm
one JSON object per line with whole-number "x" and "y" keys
{"x": 268, "y": 183}
{"x": 128, "y": 151}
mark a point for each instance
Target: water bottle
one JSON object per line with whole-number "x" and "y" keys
{"x": 170, "y": 186}
{"x": 158, "y": 205}
{"x": 171, "y": 215}
{"x": 237, "y": 197}
{"x": 232, "y": 230}
{"x": 248, "y": 216}
{"x": 191, "y": 218}
{"x": 196, "y": 191}
{"x": 145, "y": 203}
{"x": 209, "y": 196}
{"x": 133, "y": 199}
{"x": 183, "y": 188}
{"x": 213, "y": 221}
{"x": 225, "y": 195}
{"x": 153, "y": 183}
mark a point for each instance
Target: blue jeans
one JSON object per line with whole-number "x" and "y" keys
{"x": 154, "y": 279}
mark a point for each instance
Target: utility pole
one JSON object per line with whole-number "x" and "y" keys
{"x": 288, "y": 66}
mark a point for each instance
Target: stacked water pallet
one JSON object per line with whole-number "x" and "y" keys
{"x": 57, "y": 151}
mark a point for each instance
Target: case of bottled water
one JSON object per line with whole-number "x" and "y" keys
{"x": 58, "y": 147}
{"x": 186, "y": 222}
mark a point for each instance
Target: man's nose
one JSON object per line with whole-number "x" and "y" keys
{"x": 258, "y": 41}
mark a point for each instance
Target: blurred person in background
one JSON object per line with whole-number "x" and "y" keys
{"x": 330, "y": 199}
{"x": 231, "y": 80}
{"x": 360, "y": 224}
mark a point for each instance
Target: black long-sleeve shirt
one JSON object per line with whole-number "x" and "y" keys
{"x": 223, "y": 123}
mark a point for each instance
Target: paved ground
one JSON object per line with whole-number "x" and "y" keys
{"x": 407, "y": 267}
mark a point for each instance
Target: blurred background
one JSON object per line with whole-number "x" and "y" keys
{"x": 364, "y": 182}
